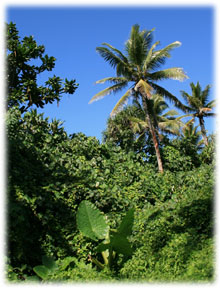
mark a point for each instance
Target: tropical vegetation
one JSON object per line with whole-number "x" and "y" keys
{"x": 200, "y": 106}
{"x": 140, "y": 66}
{"x": 81, "y": 211}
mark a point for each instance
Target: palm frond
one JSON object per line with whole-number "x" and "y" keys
{"x": 210, "y": 114}
{"x": 171, "y": 112}
{"x": 122, "y": 101}
{"x": 159, "y": 105}
{"x": 196, "y": 90}
{"x": 211, "y": 104}
{"x": 139, "y": 126}
{"x": 159, "y": 57}
{"x": 205, "y": 94}
{"x": 167, "y": 95}
{"x": 109, "y": 90}
{"x": 148, "y": 37}
{"x": 144, "y": 88}
{"x": 137, "y": 45}
{"x": 120, "y": 54}
{"x": 112, "y": 80}
{"x": 171, "y": 73}
{"x": 149, "y": 56}
{"x": 194, "y": 102}
{"x": 169, "y": 128}
{"x": 137, "y": 120}
{"x": 110, "y": 57}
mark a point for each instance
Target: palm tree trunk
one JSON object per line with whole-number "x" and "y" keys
{"x": 154, "y": 136}
{"x": 202, "y": 125}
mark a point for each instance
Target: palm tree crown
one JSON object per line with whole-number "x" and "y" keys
{"x": 165, "y": 122}
{"x": 199, "y": 105}
{"x": 139, "y": 67}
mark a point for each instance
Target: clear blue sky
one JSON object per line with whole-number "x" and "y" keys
{"x": 71, "y": 34}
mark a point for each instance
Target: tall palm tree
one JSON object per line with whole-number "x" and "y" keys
{"x": 199, "y": 105}
{"x": 137, "y": 68}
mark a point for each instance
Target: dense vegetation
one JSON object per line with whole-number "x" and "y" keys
{"x": 168, "y": 216}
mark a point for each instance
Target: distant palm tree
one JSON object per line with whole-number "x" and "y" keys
{"x": 138, "y": 68}
{"x": 189, "y": 131}
{"x": 199, "y": 105}
{"x": 164, "y": 122}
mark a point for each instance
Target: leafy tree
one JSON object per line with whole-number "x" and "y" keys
{"x": 23, "y": 90}
{"x": 120, "y": 132}
{"x": 199, "y": 105}
{"x": 138, "y": 66}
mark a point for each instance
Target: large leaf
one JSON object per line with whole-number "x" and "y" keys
{"x": 103, "y": 247}
{"x": 41, "y": 271}
{"x": 90, "y": 221}
{"x": 121, "y": 245}
{"x": 125, "y": 227}
{"x": 49, "y": 262}
{"x": 66, "y": 262}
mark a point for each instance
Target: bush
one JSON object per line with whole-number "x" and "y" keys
{"x": 169, "y": 235}
{"x": 51, "y": 173}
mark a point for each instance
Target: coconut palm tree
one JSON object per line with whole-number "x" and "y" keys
{"x": 164, "y": 122}
{"x": 199, "y": 105}
{"x": 189, "y": 131}
{"x": 138, "y": 69}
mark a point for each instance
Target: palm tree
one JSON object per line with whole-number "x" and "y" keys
{"x": 189, "y": 131}
{"x": 199, "y": 105}
{"x": 164, "y": 122}
{"x": 138, "y": 70}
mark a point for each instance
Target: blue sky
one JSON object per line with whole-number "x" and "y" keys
{"x": 71, "y": 34}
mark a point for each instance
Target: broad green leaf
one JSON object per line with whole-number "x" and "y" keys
{"x": 49, "y": 262}
{"x": 121, "y": 245}
{"x": 66, "y": 262}
{"x": 102, "y": 247}
{"x": 125, "y": 227}
{"x": 41, "y": 271}
{"x": 90, "y": 221}
{"x": 33, "y": 278}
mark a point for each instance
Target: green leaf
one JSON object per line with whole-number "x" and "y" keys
{"x": 125, "y": 227}
{"x": 66, "y": 262}
{"x": 121, "y": 245}
{"x": 90, "y": 221}
{"x": 49, "y": 262}
{"x": 33, "y": 278}
{"x": 102, "y": 247}
{"x": 41, "y": 271}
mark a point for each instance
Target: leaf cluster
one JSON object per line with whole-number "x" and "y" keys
{"x": 26, "y": 60}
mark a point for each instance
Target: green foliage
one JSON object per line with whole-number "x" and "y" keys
{"x": 170, "y": 235}
{"x": 208, "y": 153}
{"x": 166, "y": 236}
{"x": 90, "y": 221}
{"x": 120, "y": 132}
{"x": 70, "y": 269}
{"x": 23, "y": 90}
{"x": 51, "y": 173}
{"x": 92, "y": 224}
